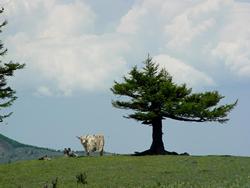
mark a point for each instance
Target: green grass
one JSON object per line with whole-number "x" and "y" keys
{"x": 128, "y": 171}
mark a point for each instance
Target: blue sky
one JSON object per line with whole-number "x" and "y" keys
{"x": 75, "y": 49}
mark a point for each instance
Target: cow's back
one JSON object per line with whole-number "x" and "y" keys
{"x": 92, "y": 143}
{"x": 99, "y": 141}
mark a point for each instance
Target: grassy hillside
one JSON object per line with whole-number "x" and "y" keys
{"x": 128, "y": 171}
{"x": 11, "y": 150}
{"x": 11, "y": 142}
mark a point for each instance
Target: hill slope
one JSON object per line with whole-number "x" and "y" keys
{"x": 11, "y": 150}
{"x": 130, "y": 171}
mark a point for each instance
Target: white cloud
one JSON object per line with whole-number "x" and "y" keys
{"x": 129, "y": 23}
{"x": 60, "y": 45}
{"x": 233, "y": 49}
{"x": 200, "y": 32}
{"x": 146, "y": 14}
{"x": 195, "y": 21}
{"x": 235, "y": 55}
{"x": 62, "y": 50}
{"x": 68, "y": 19}
{"x": 84, "y": 63}
{"x": 183, "y": 73}
{"x": 180, "y": 37}
{"x": 43, "y": 91}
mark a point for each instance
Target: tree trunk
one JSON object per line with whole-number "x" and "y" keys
{"x": 157, "y": 146}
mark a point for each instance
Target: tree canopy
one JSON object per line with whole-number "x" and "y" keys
{"x": 7, "y": 94}
{"x": 153, "y": 96}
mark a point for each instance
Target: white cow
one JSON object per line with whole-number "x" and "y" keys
{"x": 92, "y": 143}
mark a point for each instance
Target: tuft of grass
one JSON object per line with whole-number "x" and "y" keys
{"x": 54, "y": 182}
{"x": 129, "y": 171}
{"x": 81, "y": 178}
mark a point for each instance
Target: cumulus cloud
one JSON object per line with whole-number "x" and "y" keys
{"x": 204, "y": 33}
{"x": 71, "y": 19}
{"x": 43, "y": 91}
{"x": 146, "y": 15}
{"x": 236, "y": 56}
{"x": 74, "y": 63}
{"x": 60, "y": 43}
{"x": 182, "y": 72}
{"x": 196, "y": 23}
{"x": 233, "y": 49}
{"x": 129, "y": 23}
{"x": 180, "y": 37}
{"x": 62, "y": 50}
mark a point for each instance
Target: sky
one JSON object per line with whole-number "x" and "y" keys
{"x": 75, "y": 49}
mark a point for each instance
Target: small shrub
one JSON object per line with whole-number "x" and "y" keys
{"x": 81, "y": 178}
{"x": 54, "y": 182}
{"x": 46, "y": 185}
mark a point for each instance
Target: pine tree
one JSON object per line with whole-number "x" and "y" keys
{"x": 153, "y": 96}
{"x": 7, "y": 94}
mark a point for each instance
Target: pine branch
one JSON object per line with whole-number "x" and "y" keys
{"x": 151, "y": 93}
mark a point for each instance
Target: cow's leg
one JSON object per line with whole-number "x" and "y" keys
{"x": 101, "y": 152}
{"x": 88, "y": 153}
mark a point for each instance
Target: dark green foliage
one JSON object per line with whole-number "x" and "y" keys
{"x": 151, "y": 93}
{"x": 153, "y": 96}
{"x": 7, "y": 94}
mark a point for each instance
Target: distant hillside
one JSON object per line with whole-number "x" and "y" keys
{"x": 11, "y": 150}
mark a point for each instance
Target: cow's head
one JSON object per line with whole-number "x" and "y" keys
{"x": 83, "y": 139}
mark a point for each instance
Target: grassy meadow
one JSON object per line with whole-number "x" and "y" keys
{"x": 129, "y": 171}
